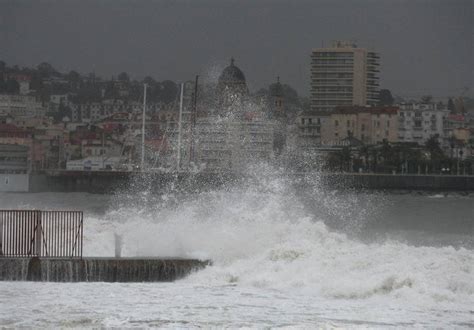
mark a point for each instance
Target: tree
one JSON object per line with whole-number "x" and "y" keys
{"x": 340, "y": 159}
{"x": 3, "y": 65}
{"x": 11, "y": 86}
{"x": 385, "y": 97}
{"x": 73, "y": 76}
{"x": 290, "y": 94}
{"x": 451, "y": 107}
{"x": 426, "y": 99}
{"x": 123, "y": 77}
{"x": 45, "y": 69}
{"x": 385, "y": 150}
{"x": 149, "y": 81}
{"x": 168, "y": 91}
{"x": 36, "y": 82}
{"x": 365, "y": 153}
{"x": 433, "y": 147}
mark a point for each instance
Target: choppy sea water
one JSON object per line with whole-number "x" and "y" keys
{"x": 282, "y": 256}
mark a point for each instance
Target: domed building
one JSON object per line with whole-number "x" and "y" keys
{"x": 231, "y": 86}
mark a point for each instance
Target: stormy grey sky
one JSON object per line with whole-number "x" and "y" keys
{"x": 426, "y": 46}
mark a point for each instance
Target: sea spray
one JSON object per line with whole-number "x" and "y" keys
{"x": 267, "y": 233}
{"x": 262, "y": 234}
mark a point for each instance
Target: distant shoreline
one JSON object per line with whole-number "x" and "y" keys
{"x": 109, "y": 182}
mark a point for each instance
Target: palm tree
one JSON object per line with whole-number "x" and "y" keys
{"x": 434, "y": 149}
{"x": 364, "y": 151}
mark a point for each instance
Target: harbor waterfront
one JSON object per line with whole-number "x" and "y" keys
{"x": 108, "y": 181}
{"x": 236, "y": 164}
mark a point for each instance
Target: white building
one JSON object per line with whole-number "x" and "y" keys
{"x": 20, "y": 106}
{"x": 232, "y": 144}
{"x": 309, "y": 129}
{"x": 420, "y": 121}
{"x": 96, "y": 111}
{"x": 95, "y": 164}
{"x": 59, "y": 99}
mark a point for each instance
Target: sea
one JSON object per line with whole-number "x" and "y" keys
{"x": 284, "y": 254}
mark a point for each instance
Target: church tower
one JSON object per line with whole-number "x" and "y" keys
{"x": 277, "y": 100}
{"x": 278, "y": 114}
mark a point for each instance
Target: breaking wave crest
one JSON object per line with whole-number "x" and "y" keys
{"x": 262, "y": 235}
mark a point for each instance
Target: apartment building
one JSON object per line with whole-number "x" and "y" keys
{"x": 310, "y": 126}
{"x": 231, "y": 145}
{"x": 420, "y": 121}
{"x": 369, "y": 125}
{"x": 343, "y": 75}
{"x": 20, "y": 106}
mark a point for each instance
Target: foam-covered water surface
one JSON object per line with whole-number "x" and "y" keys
{"x": 282, "y": 255}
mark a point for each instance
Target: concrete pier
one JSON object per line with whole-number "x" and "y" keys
{"x": 98, "y": 269}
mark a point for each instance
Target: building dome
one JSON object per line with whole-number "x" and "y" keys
{"x": 231, "y": 88}
{"x": 232, "y": 75}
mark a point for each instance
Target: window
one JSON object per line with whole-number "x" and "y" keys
{"x": 336, "y": 123}
{"x": 388, "y": 123}
{"x": 348, "y": 123}
{"x": 302, "y": 121}
{"x": 362, "y": 128}
{"x": 310, "y": 121}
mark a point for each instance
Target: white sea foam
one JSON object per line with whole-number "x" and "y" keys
{"x": 267, "y": 247}
{"x": 262, "y": 236}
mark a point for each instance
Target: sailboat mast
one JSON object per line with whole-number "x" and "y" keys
{"x": 193, "y": 119}
{"x": 142, "y": 163}
{"x": 178, "y": 158}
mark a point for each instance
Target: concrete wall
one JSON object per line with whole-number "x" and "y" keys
{"x": 400, "y": 182}
{"x": 102, "y": 182}
{"x": 97, "y": 269}
{"x": 14, "y": 182}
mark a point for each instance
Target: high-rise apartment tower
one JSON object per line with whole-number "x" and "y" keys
{"x": 343, "y": 75}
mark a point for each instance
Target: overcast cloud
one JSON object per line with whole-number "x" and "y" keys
{"x": 426, "y": 46}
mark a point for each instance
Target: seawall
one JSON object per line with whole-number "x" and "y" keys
{"x": 14, "y": 182}
{"x": 97, "y": 269}
{"x": 464, "y": 183}
{"x": 107, "y": 182}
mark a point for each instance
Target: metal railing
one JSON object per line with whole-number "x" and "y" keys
{"x": 33, "y": 233}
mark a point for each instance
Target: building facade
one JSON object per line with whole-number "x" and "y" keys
{"x": 418, "y": 122}
{"x": 343, "y": 75}
{"x": 369, "y": 125}
{"x": 230, "y": 145}
{"x": 20, "y": 106}
{"x": 309, "y": 129}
